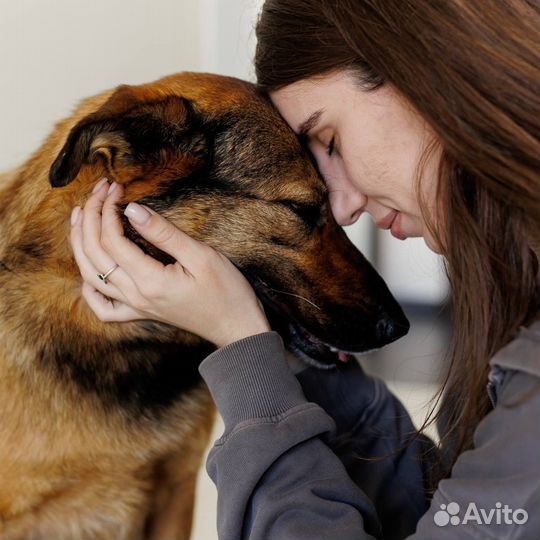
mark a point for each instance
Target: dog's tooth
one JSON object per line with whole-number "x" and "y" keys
{"x": 333, "y": 349}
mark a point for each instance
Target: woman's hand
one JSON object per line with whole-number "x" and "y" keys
{"x": 203, "y": 292}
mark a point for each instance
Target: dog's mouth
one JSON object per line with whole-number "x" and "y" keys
{"x": 297, "y": 339}
{"x": 313, "y": 350}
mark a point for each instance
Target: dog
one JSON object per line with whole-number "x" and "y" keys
{"x": 103, "y": 425}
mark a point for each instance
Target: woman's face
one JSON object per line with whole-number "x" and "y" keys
{"x": 368, "y": 145}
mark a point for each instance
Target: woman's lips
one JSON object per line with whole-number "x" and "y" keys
{"x": 395, "y": 228}
{"x": 392, "y": 221}
{"x": 386, "y": 221}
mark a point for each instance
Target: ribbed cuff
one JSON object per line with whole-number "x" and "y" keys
{"x": 250, "y": 379}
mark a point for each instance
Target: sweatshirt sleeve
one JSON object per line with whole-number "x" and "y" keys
{"x": 289, "y": 464}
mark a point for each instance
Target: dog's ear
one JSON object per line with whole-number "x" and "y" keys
{"x": 132, "y": 136}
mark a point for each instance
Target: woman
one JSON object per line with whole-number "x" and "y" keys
{"x": 424, "y": 115}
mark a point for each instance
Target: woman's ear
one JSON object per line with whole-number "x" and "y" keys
{"x": 130, "y": 136}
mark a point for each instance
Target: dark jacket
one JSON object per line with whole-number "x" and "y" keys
{"x": 295, "y": 460}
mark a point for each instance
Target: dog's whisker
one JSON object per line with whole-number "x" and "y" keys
{"x": 297, "y": 296}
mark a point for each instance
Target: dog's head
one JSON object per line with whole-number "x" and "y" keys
{"x": 213, "y": 156}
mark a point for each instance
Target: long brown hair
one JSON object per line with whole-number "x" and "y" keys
{"x": 471, "y": 70}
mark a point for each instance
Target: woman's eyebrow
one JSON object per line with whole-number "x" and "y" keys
{"x": 308, "y": 124}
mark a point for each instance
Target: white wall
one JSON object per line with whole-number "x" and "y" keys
{"x": 413, "y": 272}
{"x": 228, "y": 36}
{"x": 56, "y": 52}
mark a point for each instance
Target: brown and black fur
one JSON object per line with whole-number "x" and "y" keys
{"x": 103, "y": 425}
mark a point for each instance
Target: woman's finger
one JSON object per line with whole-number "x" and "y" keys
{"x": 142, "y": 268}
{"x": 157, "y": 230}
{"x": 86, "y": 268}
{"x": 91, "y": 228}
{"x": 107, "y": 309}
{"x": 166, "y": 236}
{"x": 89, "y": 272}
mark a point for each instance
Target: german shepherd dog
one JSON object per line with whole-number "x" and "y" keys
{"x": 103, "y": 425}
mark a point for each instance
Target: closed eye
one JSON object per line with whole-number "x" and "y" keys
{"x": 309, "y": 213}
{"x": 330, "y": 148}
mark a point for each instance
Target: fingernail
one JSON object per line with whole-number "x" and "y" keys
{"x": 136, "y": 213}
{"x": 75, "y": 215}
{"x": 99, "y": 185}
{"x": 112, "y": 188}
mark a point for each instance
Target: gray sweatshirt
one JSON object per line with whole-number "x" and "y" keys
{"x": 301, "y": 454}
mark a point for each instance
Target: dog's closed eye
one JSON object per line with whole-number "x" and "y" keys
{"x": 310, "y": 214}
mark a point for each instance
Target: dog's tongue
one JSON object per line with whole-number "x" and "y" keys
{"x": 343, "y": 356}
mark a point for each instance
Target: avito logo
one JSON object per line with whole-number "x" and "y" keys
{"x": 449, "y": 514}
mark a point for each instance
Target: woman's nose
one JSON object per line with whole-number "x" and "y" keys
{"x": 346, "y": 207}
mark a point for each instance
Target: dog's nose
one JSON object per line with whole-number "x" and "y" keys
{"x": 390, "y": 328}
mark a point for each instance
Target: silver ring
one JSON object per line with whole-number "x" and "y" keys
{"x": 104, "y": 276}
